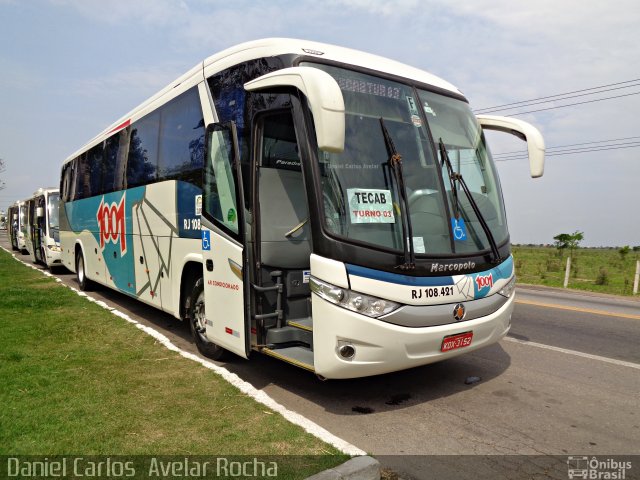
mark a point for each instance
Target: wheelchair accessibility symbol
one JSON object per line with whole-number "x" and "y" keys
{"x": 459, "y": 229}
{"x": 206, "y": 240}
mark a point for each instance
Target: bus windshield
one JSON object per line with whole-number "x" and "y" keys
{"x": 53, "y": 207}
{"x": 361, "y": 195}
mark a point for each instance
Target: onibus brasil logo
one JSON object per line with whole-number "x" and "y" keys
{"x": 111, "y": 222}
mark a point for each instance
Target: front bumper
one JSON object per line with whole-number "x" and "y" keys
{"x": 382, "y": 347}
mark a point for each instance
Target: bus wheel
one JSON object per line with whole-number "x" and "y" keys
{"x": 81, "y": 275}
{"x": 197, "y": 321}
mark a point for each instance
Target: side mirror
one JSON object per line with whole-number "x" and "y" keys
{"x": 324, "y": 96}
{"x": 15, "y": 216}
{"x": 524, "y": 131}
{"x": 39, "y": 212}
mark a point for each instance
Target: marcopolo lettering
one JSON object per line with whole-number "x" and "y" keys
{"x": 452, "y": 267}
{"x": 111, "y": 222}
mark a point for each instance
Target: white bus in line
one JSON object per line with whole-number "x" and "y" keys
{"x": 330, "y": 208}
{"x": 23, "y": 221}
{"x": 42, "y": 231}
{"x": 13, "y": 219}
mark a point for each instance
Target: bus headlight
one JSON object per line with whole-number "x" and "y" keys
{"x": 54, "y": 248}
{"x": 508, "y": 289}
{"x": 356, "y": 302}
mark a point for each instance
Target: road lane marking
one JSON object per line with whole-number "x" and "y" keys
{"x": 245, "y": 387}
{"x": 579, "y": 309}
{"x": 612, "y": 361}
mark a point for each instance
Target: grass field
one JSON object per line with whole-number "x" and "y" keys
{"x": 77, "y": 380}
{"x": 595, "y": 270}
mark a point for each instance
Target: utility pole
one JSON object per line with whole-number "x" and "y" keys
{"x": 635, "y": 280}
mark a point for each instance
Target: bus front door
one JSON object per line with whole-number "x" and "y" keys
{"x": 223, "y": 243}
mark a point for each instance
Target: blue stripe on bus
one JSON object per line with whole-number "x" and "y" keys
{"x": 398, "y": 278}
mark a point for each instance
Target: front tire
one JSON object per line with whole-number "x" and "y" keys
{"x": 197, "y": 321}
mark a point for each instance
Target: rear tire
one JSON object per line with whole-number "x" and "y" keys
{"x": 81, "y": 273}
{"x": 196, "y": 314}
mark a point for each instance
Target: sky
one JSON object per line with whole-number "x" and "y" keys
{"x": 69, "y": 68}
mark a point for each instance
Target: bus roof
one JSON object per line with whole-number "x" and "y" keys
{"x": 48, "y": 190}
{"x": 269, "y": 47}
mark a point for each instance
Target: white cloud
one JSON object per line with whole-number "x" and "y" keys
{"x": 387, "y": 8}
{"x": 146, "y": 12}
{"x": 147, "y": 81}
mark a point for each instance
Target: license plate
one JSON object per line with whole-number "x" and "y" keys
{"x": 453, "y": 342}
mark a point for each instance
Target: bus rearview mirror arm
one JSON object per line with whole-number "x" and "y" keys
{"x": 522, "y": 130}
{"x": 324, "y": 97}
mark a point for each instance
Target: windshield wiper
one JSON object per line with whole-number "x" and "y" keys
{"x": 455, "y": 177}
{"x": 395, "y": 162}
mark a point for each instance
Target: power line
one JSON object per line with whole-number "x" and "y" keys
{"x": 601, "y": 148}
{"x": 572, "y": 104}
{"x": 549, "y": 97}
{"x": 530, "y": 104}
{"x": 575, "y": 144}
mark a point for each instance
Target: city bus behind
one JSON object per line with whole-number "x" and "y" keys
{"x": 13, "y": 224}
{"x": 23, "y": 225}
{"x": 43, "y": 241}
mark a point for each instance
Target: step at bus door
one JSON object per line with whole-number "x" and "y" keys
{"x": 222, "y": 242}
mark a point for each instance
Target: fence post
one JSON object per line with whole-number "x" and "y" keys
{"x": 635, "y": 280}
{"x": 567, "y": 272}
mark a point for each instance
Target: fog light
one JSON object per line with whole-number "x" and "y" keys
{"x": 347, "y": 351}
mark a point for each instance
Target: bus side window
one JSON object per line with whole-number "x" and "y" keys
{"x": 115, "y": 155}
{"x": 181, "y": 150}
{"x": 94, "y": 168}
{"x": 65, "y": 190}
{"x": 142, "y": 163}
{"x": 219, "y": 188}
{"x": 82, "y": 185}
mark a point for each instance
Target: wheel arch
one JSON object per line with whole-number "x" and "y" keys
{"x": 78, "y": 247}
{"x": 191, "y": 271}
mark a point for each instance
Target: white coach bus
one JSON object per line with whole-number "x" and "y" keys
{"x": 13, "y": 217}
{"x": 42, "y": 242}
{"x": 23, "y": 222}
{"x": 328, "y": 207}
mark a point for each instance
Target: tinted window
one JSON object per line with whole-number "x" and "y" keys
{"x": 65, "y": 182}
{"x": 143, "y": 151}
{"x": 279, "y": 145}
{"x": 182, "y": 139}
{"x": 88, "y": 174}
{"x": 94, "y": 167}
{"x": 83, "y": 186}
{"x": 220, "y": 195}
{"x": 115, "y": 154}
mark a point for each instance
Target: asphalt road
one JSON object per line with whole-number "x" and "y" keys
{"x": 565, "y": 382}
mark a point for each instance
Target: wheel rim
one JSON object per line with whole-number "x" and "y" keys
{"x": 199, "y": 318}
{"x": 81, "y": 269}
